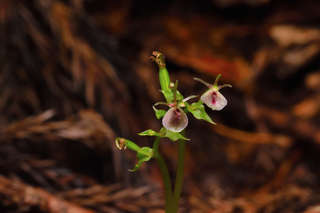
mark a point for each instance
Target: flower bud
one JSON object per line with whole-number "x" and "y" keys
{"x": 175, "y": 120}
{"x": 121, "y": 143}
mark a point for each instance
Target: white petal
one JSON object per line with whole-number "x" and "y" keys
{"x": 175, "y": 120}
{"x": 214, "y": 99}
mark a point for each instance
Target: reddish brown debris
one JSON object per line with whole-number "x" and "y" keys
{"x": 24, "y": 195}
{"x": 76, "y": 74}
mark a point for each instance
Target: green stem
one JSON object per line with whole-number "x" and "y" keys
{"x": 179, "y": 175}
{"x": 165, "y": 175}
{"x": 175, "y": 89}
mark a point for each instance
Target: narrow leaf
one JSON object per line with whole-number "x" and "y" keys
{"x": 173, "y": 136}
{"x": 159, "y": 112}
{"x": 168, "y": 94}
{"x": 179, "y": 96}
{"x": 149, "y": 132}
{"x": 164, "y": 79}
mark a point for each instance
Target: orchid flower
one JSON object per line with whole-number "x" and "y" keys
{"x": 212, "y": 97}
{"x": 175, "y": 119}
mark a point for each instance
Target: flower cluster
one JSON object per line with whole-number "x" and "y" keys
{"x": 175, "y": 119}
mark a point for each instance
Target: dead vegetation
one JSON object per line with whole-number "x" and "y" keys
{"x": 74, "y": 74}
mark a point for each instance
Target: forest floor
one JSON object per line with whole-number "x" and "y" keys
{"x": 76, "y": 74}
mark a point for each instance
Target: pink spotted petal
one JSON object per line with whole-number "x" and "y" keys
{"x": 214, "y": 99}
{"x": 175, "y": 120}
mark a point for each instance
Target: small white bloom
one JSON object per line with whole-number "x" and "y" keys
{"x": 214, "y": 99}
{"x": 175, "y": 120}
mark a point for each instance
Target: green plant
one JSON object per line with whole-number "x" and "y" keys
{"x": 174, "y": 121}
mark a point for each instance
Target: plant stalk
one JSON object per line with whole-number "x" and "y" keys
{"x": 179, "y": 175}
{"x": 165, "y": 176}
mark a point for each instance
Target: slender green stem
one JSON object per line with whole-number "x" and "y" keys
{"x": 165, "y": 175}
{"x": 175, "y": 89}
{"x": 179, "y": 175}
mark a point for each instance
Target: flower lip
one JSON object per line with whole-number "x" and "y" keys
{"x": 214, "y": 99}
{"x": 175, "y": 119}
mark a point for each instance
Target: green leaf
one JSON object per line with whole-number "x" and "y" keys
{"x": 144, "y": 154}
{"x": 179, "y": 96}
{"x": 164, "y": 133}
{"x": 168, "y": 94}
{"x": 197, "y": 109}
{"x": 159, "y": 112}
{"x": 149, "y": 132}
{"x": 164, "y": 79}
{"x": 173, "y": 136}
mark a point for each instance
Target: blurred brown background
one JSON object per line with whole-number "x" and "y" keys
{"x": 75, "y": 74}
